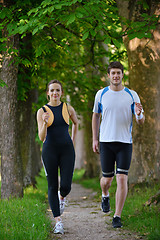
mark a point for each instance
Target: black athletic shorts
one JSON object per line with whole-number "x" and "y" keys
{"x": 115, "y": 152}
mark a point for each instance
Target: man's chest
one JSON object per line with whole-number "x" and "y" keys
{"x": 116, "y": 102}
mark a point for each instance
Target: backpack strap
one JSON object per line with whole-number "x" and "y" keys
{"x": 100, "y": 107}
{"x": 133, "y": 104}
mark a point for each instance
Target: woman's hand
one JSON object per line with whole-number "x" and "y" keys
{"x": 45, "y": 117}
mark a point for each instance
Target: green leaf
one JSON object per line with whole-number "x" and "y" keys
{"x": 71, "y": 18}
{"x": 107, "y": 40}
{"x": 2, "y": 83}
{"x": 93, "y": 33}
{"x": 116, "y": 43}
{"x": 38, "y": 51}
{"x": 35, "y": 31}
{"x": 50, "y": 9}
{"x": 85, "y": 36}
{"x": 79, "y": 15}
{"x": 26, "y": 62}
{"x": 45, "y": 3}
{"x": 58, "y": 6}
{"x": 34, "y": 10}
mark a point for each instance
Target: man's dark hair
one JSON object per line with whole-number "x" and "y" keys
{"x": 115, "y": 65}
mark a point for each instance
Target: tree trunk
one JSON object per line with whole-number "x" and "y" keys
{"x": 80, "y": 146}
{"x": 28, "y": 149}
{"x": 92, "y": 163}
{"x": 11, "y": 167}
{"x": 144, "y": 78}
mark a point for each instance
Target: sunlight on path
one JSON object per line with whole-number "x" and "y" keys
{"x": 83, "y": 219}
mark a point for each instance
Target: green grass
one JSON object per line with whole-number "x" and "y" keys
{"x": 25, "y": 219}
{"x": 136, "y": 216}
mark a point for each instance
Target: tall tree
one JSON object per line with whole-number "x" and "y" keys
{"x": 26, "y": 121}
{"x": 144, "y": 72}
{"x": 67, "y": 24}
{"x": 11, "y": 166}
{"x": 20, "y": 159}
{"x": 62, "y": 28}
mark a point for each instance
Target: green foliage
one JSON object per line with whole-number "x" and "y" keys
{"x": 2, "y": 83}
{"x": 136, "y": 215}
{"x": 67, "y": 39}
{"x": 26, "y": 218}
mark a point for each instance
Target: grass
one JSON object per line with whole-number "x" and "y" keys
{"x": 136, "y": 216}
{"x": 25, "y": 219}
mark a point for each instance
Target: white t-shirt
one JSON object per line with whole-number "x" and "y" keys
{"x": 116, "y": 122}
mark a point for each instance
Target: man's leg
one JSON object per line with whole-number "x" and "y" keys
{"x": 105, "y": 183}
{"x": 121, "y": 193}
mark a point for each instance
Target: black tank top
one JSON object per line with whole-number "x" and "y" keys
{"x": 57, "y": 132}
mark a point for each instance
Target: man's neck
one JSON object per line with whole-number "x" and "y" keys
{"x": 116, "y": 88}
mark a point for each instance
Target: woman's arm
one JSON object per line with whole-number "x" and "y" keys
{"x": 42, "y": 119}
{"x": 74, "y": 120}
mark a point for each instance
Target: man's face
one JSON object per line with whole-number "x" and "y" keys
{"x": 115, "y": 76}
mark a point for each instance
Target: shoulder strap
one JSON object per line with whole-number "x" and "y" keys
{"x": 67, "y": 108}
{"x": 133, "y": 104}
{"x": 44, "y": 109}
{"x": 100, "y": 107}
{"x": 65, "y": 113}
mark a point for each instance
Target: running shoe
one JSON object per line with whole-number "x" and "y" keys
{"x": 105, "y": 205}
{"x": 116, "y": 222}
{"x": 62, "y": 204}
{"x": 59, "y": 228}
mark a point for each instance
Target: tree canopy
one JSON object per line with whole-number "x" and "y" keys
{"x": 67, "y": 37}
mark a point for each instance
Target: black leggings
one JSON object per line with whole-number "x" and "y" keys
{"x": 55, "y": 157}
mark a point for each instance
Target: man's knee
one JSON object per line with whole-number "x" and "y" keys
{"x": 122, "y": 179}
{"x": 107, "y": 181}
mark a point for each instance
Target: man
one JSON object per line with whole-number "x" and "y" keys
{"x": 114, "y": 106}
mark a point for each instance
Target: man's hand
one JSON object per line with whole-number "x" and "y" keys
{"x": 95, "y": 146}
{"x": 138, "y": 108}
{"x": 138, "y": 113}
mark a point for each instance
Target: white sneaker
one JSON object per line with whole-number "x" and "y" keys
{"x": 59, "y": 228}
{"x": 62, "y": 203}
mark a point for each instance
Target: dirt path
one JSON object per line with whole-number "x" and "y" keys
{"x": 83, "y": 219}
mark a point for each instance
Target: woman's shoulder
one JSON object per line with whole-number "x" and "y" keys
{"x": 69, "y": 108}
{"x": 40, "y": 110}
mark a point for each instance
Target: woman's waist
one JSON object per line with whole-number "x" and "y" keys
{"x": 58, "y": 140}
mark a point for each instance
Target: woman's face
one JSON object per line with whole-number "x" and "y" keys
{"x": 54, "y": 92}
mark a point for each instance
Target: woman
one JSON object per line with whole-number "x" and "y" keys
{"x": 58, "y": 150}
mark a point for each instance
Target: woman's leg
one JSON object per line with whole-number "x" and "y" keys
{"x": 50, "y": 162}
{"x": 67, "y": 162}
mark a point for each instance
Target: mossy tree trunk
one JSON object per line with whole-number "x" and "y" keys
{"x": 92, "y": 163}
{"x": 144, "y": 78}
{"x": 11, "y": 165}
{"x": 29, "y": 150}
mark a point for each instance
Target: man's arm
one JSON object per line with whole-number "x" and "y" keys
{"x": 140, "y": 118}
{"x": 95, "y": 131}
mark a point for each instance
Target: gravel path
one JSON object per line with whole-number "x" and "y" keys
{"x": 83, "y": 219}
